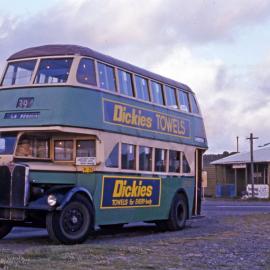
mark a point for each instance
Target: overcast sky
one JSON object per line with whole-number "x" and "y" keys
{"x": 219, "y": 48}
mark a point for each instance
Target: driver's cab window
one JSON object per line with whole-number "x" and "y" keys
{"x": 85, "y": 148}
{"x": 33, "y": 147}
{"x": 71, "y": 149}
{"x": 63, "y": 150}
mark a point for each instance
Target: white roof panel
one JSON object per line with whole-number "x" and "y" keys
{"x": 259, "y": 155}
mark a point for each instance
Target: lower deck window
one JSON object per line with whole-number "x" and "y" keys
{"x": 128, "y": 156}
{"x": 174, "y": 161}
{"x": 186, "y": 167}
{"x": 112, "y": 160}
{"x": 63, "y": 150}
{"x": 145, "y": 158}
{"x": 160, "y": 160}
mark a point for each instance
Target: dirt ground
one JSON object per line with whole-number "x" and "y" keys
{"x": 214, "y": 242}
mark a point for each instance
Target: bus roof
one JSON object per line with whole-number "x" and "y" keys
{"x": 61, "y": 49}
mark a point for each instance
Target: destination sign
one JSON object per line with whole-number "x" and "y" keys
{"x": 22, "y": 115}
{"x": 141, "y": 118}
{"x": 130, "y": 192}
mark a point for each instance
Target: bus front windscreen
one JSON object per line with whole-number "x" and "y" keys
{"x": 53, "y": 71}
{"x": 7, "y": 143}
{"x": 19, "y": 73}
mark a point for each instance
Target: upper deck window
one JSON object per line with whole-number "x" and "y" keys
{"x": 170, "y": 97}
{"x": 184, "y": 102}
{"x": 125, "y": 83}
{"x": 86, "y": 72}
{"x": 53, "y": 71}
{"x": 19, "y": 73}
{"x": 157, "y": 94}
{"x": 194, "y": 105}
{"x": 106, "y": 77}
{"x": 142, "y": 88}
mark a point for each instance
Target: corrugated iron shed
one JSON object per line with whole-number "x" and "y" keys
{"x": 259, "y": 155}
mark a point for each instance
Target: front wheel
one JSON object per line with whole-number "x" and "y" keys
{"x": 73, "y": 223}
{"x": 178, "y": 215}
{"x": 5, "y": 229}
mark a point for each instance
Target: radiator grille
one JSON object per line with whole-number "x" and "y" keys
{"x": 14, "y": 191}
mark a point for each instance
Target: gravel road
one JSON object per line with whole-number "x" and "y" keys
{"x": 229, "y": 237}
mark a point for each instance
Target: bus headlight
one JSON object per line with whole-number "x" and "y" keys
{"x": 52, "y": 200}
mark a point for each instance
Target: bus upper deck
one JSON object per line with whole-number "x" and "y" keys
{"x": 46, "y": 85}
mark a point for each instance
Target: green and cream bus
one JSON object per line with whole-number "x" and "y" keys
{"x": 89, "y": 141}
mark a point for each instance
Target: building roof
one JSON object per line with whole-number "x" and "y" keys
{"x": 65, "y": 49}
{"x": 259, "y": 155}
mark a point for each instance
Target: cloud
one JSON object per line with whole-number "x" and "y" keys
{"x": 163, "y": 37}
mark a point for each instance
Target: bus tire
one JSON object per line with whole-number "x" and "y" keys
{"x": 178, "y": 215}
{"x": 5, "y": 229}
{"x": 73, "y": 224}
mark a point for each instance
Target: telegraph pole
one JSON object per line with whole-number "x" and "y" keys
{"x": 251, "y": 138}
{"x": 237, "y": 144}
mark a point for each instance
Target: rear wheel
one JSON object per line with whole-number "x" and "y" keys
{"x": 5, "y": 229}
{"x": 73, "y": 223}
{"x": 178, "y": 215}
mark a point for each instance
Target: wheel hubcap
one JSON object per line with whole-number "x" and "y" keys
{"x": 73, "y": 220}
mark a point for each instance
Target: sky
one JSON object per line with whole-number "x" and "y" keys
{"x": 219, "y": 48}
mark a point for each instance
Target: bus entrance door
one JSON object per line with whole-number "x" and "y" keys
{"x": 198, "y": 182}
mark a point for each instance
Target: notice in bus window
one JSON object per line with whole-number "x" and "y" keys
{"x": 130, "y": 192}
{"x": 86, "y": 161}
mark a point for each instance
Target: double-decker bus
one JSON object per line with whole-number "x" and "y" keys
{"x": 89, "y": 141}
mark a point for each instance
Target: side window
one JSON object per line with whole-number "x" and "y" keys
{"x": 86, "y": 72}
{"x": 142, "y": 88}
{"x": 174, "y": 161}
{"x": 128, "y": 155}
{"x": 184, "y": 102}
{"x": 145, "y": 158}
{"x": 86, "y": 148}
{"x": 186, "y": 167}
{"x": 157, "y": 94}
{"x": 194, "y": 105}
{"x": 112, "y": 160}
{"x": 34, "y": 147}
{"x": 160, "y": 160}
{"x": 106, "y": 77}
{"x": 125, "y": 83}
{"x": 63, "y": 150}
{"x": 170, "y": 97}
